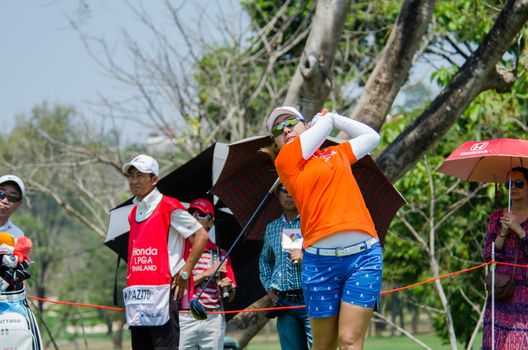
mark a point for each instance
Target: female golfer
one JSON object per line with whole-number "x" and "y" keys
{"x": 342, "y": 263}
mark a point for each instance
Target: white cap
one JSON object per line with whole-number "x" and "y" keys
{"x": 143, "y": 163}
{"x": 16, "y": 180}
{"x": 277, "y": 112}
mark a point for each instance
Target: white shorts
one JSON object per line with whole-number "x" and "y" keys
{"x": 206, "y": 334}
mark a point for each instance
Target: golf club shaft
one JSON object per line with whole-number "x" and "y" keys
{"x": 241, "y": 234}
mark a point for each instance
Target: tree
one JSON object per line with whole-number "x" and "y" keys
{"x": 71, "y": 186}
{"x": 312, "y": 81}
{"x": 478, "y": 74}
{"x": 224, "y": 90}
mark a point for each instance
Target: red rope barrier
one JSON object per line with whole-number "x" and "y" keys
{"x": 76, "y": 304}
{"x": 290, "y": 307}
{"x": 509, "y": 264}
{"x": 435, "y": 279}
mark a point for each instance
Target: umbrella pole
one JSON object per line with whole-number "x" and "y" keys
{"x": 197, "y": 309}
{"x": 493, "y": 297}
{"x": 509, "y": 189}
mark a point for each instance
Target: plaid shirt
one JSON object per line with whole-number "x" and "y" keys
{"x": 276, "y": 268}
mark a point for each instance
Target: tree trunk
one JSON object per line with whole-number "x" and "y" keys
{"x": 117, "y": 335}
{"x": 401, "y": 314}
{"x": 312, "y": 81}
{"x": 40, "y": 283}
{"x": 474, "y": 77}
{"x": 394, "y": 312}
{"x": 415, "y": 319}
{"x": 244, "y": 326}
{"x": 394, "y": 63}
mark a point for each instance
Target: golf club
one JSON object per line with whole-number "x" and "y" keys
{"x": 197, "y": 309}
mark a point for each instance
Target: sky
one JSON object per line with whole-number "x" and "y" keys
{"x": 43, "y": 58}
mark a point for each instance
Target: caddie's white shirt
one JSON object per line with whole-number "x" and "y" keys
{"x": 182, "y": 225}
{"x": 12, "y": 229}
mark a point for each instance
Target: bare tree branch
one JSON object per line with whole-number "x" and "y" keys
{"x": 442, "y": 113}
{"x": 402, "y": 330}
{"x": 101, "y": 231}
{"x": 476, "y": 330}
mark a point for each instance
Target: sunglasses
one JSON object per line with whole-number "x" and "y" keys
{"x": 279, "y": 128}
{"x": 283, "y": 189}
{"x": 10, "y": 199}
{"x": 199, "y": 215}
{"x": 517, "y": 183}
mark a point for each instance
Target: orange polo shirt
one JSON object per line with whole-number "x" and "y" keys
{"x": 325, "y": 191}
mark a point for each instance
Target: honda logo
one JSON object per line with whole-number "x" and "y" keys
{"x": 480, "y": 146}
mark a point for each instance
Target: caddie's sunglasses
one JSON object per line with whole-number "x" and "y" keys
{"x": 290, "y": 122}
{"x": 10, "y": 199}
{"x": 517, "y": 183}
{"x": 200, "y": 215}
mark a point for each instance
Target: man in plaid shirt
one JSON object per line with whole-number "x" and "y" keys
{"x": 280, "y": 274}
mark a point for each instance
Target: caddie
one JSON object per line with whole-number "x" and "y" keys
{"x": 157, "y": 273}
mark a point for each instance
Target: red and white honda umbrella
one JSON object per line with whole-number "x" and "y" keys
{"x": 486, "y": 161}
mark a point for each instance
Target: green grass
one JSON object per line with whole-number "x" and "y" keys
{"x": 373, "y": 343}
{"x": 270, "y": 341}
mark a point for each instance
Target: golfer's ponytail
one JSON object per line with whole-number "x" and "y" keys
{"x": 272, "y": 151}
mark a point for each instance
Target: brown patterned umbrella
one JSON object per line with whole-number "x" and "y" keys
{"x": 248, "y": 174}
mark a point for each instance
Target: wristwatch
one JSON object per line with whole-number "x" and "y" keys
{"x": 184, "y": 275}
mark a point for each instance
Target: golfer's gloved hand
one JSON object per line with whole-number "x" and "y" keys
{"x": 318, "y": 117}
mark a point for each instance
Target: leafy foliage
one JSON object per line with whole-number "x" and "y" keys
{"x": 224, "y": 94}
{"x": 448, "y": 228}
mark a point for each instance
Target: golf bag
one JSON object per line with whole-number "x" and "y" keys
{"x": 18, "y": 327}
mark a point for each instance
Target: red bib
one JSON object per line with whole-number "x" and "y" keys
{"x": 148, "y": 279}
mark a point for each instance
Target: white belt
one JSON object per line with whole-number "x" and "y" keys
{"x": 353, "y": 249}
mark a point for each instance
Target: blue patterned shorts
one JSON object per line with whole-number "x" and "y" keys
{"x": 355, "y": 279}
